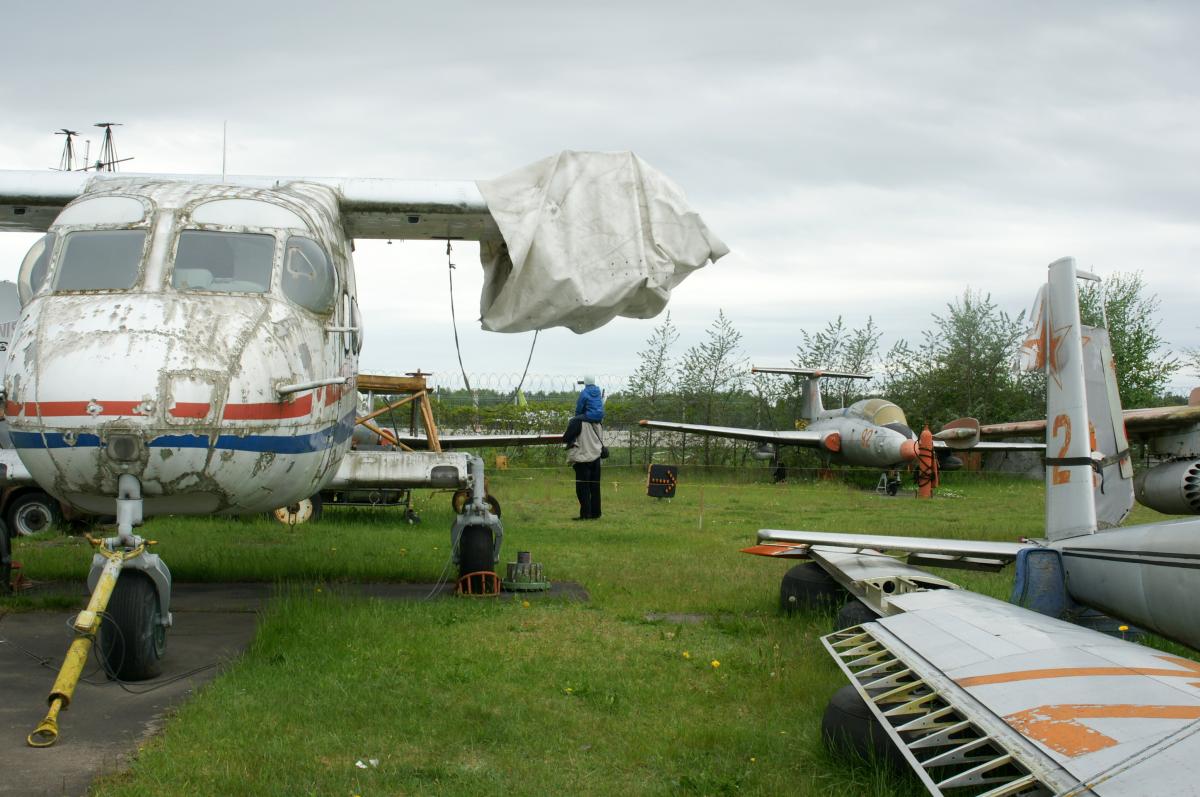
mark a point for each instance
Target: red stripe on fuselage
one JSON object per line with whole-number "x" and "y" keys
{"x": 189, "y": 409}
{"x": 269, "y": 411}
{"x": 264, "y": 411}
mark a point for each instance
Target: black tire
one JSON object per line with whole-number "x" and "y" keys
{"x": 475, "y": 550}
{"x": 132, "y": 640}
{"x": 5, "y": 561}
{"x": 306, "y": 510}
{"x": 32, "y": 513}
{"x": 853, "y": 612}
{"x": 806, "y": 587}
{"x": 848, "y": 726}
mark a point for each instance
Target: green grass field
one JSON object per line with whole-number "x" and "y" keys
{"x": 479, "y": 696}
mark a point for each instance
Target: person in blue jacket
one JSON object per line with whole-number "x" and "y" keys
{"x": 590, "y": 403}
{"x": 589, "y": 408}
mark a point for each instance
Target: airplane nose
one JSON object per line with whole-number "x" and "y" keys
{"x": 908, "y": 450}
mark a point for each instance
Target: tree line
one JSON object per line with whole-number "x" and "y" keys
{"x": 960, "y": 366}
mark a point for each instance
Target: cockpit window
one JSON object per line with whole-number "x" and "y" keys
{"x": 882, "y": 412}
{"x": 225, "y": 262}
{"x": 100, "y": 260}
{"x": 308, "y": 276}
{"x": 246, "y": 213}
{"x": 32, "y": 275}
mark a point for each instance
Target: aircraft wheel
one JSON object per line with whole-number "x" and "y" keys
{"x": 32, "y": 513}
{"x": 132, "y": 638}
{"x": 475, "y": 550}
{"x": 849, "y": 726}
{"x": 806, "y": 587}
{"x": 853, "y": 612}
{"x": 306, "y": 510}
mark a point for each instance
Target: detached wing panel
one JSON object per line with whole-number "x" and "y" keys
{"x": 784, "y": 438}
{"x": 980, "y": 693}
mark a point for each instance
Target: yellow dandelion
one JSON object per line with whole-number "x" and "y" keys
{"x": 1122, "y": 628}
{"x": 569, "y": 690}
{"x": 715, "y": 664}
{"x": 752, "y": 759}
{"x": 524, "y": 604}
{"x": 687, "y": 655}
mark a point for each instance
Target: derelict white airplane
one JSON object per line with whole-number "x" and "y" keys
{"x": 189, "y": 344}
{"x": 985, "y": 697}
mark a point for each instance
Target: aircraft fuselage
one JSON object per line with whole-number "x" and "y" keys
{"x": 160, "y": 320}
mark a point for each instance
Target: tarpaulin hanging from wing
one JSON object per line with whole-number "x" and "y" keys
{"x": 587, "y": 237}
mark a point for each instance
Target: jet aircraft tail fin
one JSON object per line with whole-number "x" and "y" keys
{"x": 810, "y": 399}
{"x": 1088, "y": 470}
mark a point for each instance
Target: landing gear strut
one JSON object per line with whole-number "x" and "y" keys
{"x": 476, "y": 535}
{"x": 130, "y": 615}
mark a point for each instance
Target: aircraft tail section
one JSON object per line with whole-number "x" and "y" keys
{"x": 810, "y": 397}
{"x": 1113, "y": 489}
{"x": 1088, "y": 470}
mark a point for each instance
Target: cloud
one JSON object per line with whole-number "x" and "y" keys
{"x": 866, "y": 159}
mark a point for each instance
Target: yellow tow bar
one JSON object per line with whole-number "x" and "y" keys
{"x": 87, "y": 625}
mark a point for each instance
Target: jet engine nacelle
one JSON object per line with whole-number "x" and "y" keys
{"x": 1172, "y": 488}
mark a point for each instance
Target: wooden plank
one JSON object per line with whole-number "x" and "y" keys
{"x": 380, "y": 383}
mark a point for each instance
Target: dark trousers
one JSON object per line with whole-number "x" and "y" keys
{"x": 587, "y": 488}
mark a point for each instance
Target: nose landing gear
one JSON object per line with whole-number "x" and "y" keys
{"x": 475, "y": 537}
{"x": 130, "y": 616}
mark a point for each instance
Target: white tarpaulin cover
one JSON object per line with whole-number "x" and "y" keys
{"x": 588, "y": 236}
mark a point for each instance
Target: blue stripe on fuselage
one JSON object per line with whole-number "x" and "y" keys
{"x": 258, "y": 443}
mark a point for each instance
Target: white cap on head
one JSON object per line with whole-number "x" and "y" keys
{"x": 589, "y": 380}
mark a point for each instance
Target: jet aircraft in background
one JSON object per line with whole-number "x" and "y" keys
{"x": 984, "y": 697}
{"x": 870, "y": 433}
{"x": 1170, "y": 434}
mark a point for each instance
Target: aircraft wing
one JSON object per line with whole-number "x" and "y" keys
{"x": 29, "y": 201}
{"x": 371, "y": 207}
{"x": 994, "y": 446}
{"x": 1138, "y": 423}
{"x": 930, "y": 551}
{"x": 572, "y": 240}
{"x": 483, "y": 440}
{"x": 785, "y": 438}
{"x": 980, "y": 694}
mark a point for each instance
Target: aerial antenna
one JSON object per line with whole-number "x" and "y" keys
{"x": 108, "y": 160}
{"x": 66, "y": 163}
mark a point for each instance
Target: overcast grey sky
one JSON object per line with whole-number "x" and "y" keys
{"x": 859, "y": 158}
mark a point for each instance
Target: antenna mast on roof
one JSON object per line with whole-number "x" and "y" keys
{"x": 66, "y": 163}
{"x": 108, "y": 152}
